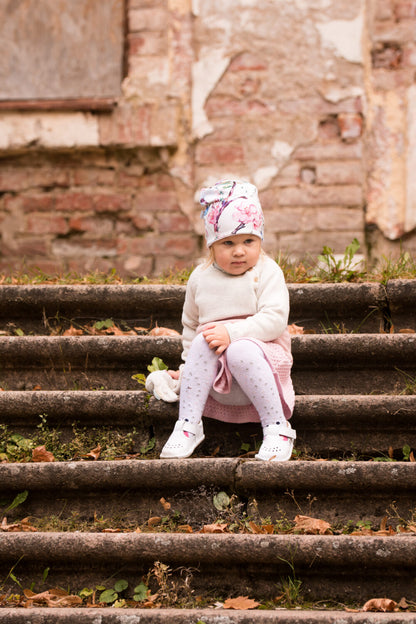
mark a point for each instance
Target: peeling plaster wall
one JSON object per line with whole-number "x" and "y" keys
{"x": 272, "y": 82}
{"x": 312, "y": 100}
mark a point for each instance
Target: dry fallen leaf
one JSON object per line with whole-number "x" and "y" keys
{"x": 163, "y": 331}
{"x": 72, "y": 331}
{"x": 52, "y": 598}
{"x": 40, "y": 454}
{"x": 214, "y": 528}
{"x": 295, "y": 329}
{"x": 242, "y": 602}
{"x": 312, "y": 526}
{"x": 263, "y": 528}
{"x": 94, "y": 453}
{"x": 154, "y": 521}
{"x": 166, "y": 506}
{"x": 380, "y": 604}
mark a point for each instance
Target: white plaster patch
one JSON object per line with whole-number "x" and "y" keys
{"x": 337, "y": 94}
{"x": 345, "y": 36}
{"x": 281, "y": 150}
{"x": 205, "y": 74}
{"x": 48, "y": 130}
{"x": 410, "y": 208}
{"x": 264, "y": 175}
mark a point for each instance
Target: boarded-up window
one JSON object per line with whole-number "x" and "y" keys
{"x": 61, "y": 49}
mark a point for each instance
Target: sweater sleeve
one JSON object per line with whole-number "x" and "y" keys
{"x": 271, "y": 318}
{"x": 190, "y": 315}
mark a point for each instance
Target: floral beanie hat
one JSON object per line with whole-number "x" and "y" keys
{"x": 231, "y": 207}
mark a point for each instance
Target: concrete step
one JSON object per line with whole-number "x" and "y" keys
{"x": 323, "y": 364}
{"x": 361, "y": 307}
{"x": 205, "y": 616}
{"x": 326, "y": 425}
{"x": 340, "y": 567}
{"x": 128, "y": 492}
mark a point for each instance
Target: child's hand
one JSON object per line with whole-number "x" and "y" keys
{"x": 174, "y": 374}
{"x": 217, "y": 337}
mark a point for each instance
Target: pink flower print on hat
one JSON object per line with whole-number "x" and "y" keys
{"x": 231, "y": 207}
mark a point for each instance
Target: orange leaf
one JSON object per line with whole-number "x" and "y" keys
{"x": 154, "y": 521}
{"x": 186, "y": 528}
{"x": 295, "y": 329}
{"x": 380, "y": 604}
{"x": 312, "y": 526}
{"x": 214, "y": 528}
{"x": 163, "y": 331}
{"x": 166, "y": 506}
{"x": 242, "y": 602}
{"x": 40, "y": 454}
{"x": 72, "y": 331}
{"x": 94, "y": 453}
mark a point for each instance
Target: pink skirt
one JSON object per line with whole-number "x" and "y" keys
{"x": 279, "y": 357}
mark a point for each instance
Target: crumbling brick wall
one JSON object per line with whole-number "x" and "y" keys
{"x": 310, "y": 100}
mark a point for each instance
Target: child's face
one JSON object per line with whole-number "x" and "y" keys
{"x": 237, "y": 254}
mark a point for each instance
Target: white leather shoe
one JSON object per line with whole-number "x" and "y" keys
{"x": 179, "y": 445}
{"x": 277, "y": 443}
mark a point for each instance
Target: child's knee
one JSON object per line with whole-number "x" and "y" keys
{"x": 242, "y": 353}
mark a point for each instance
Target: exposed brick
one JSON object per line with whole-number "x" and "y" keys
{"x": 318, "y": 106}
{"x": 93, "y": 177}
{"x": 95, "y": 226}
{"x": 128, "y": 125}
{"x": 111, "y": 202}
{"x": 73, "y": 247}
{"x": 222, "y": 106}
{"x": 37, "y": 203}
{"x": 350, "y": 125}
{"x": 331, "y": 218}
{"x": 143, "y": 220}
{"x": 405, "y": 10}
{"x": 148, "y": 201}
{"x": 50, "y": 224}
{"x": 343, "y": 172}
{"x": 28, "y": 247}
{"x": 247, "y": 62}
{"x": 290, "y": 220}
{"x": 73, "y": 202}
{"x": 383, "y": 10}
{"x": 173, "y": 222}
{"x": 180, "y": 246}
{"x": 388, "y": 31}
{"x": 313, "y": 195}
{"x": 148, "y": 19}
{"x": 147, "y": 44}
{"x": 331, "y": 151}
{"x": 384, "y": 80}
{"x": 137, "y": 265}
{"x": 165, "y": 264}
{"x": 226, "y": 153}
{"x": 23, "y": 178}
{"x": 303, "y": 245}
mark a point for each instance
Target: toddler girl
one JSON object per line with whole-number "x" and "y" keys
{"x": 236, "y": 345}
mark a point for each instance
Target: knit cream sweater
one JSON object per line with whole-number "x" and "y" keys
{"x": 260, "y": 296}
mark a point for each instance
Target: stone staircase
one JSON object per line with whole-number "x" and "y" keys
{"x": 354, "y": 369}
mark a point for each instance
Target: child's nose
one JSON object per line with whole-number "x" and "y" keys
{"x": 238, "y": 250}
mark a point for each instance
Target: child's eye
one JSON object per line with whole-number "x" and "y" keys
{"x": 248, "y": 241}
{"x": 227, "y": 243}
